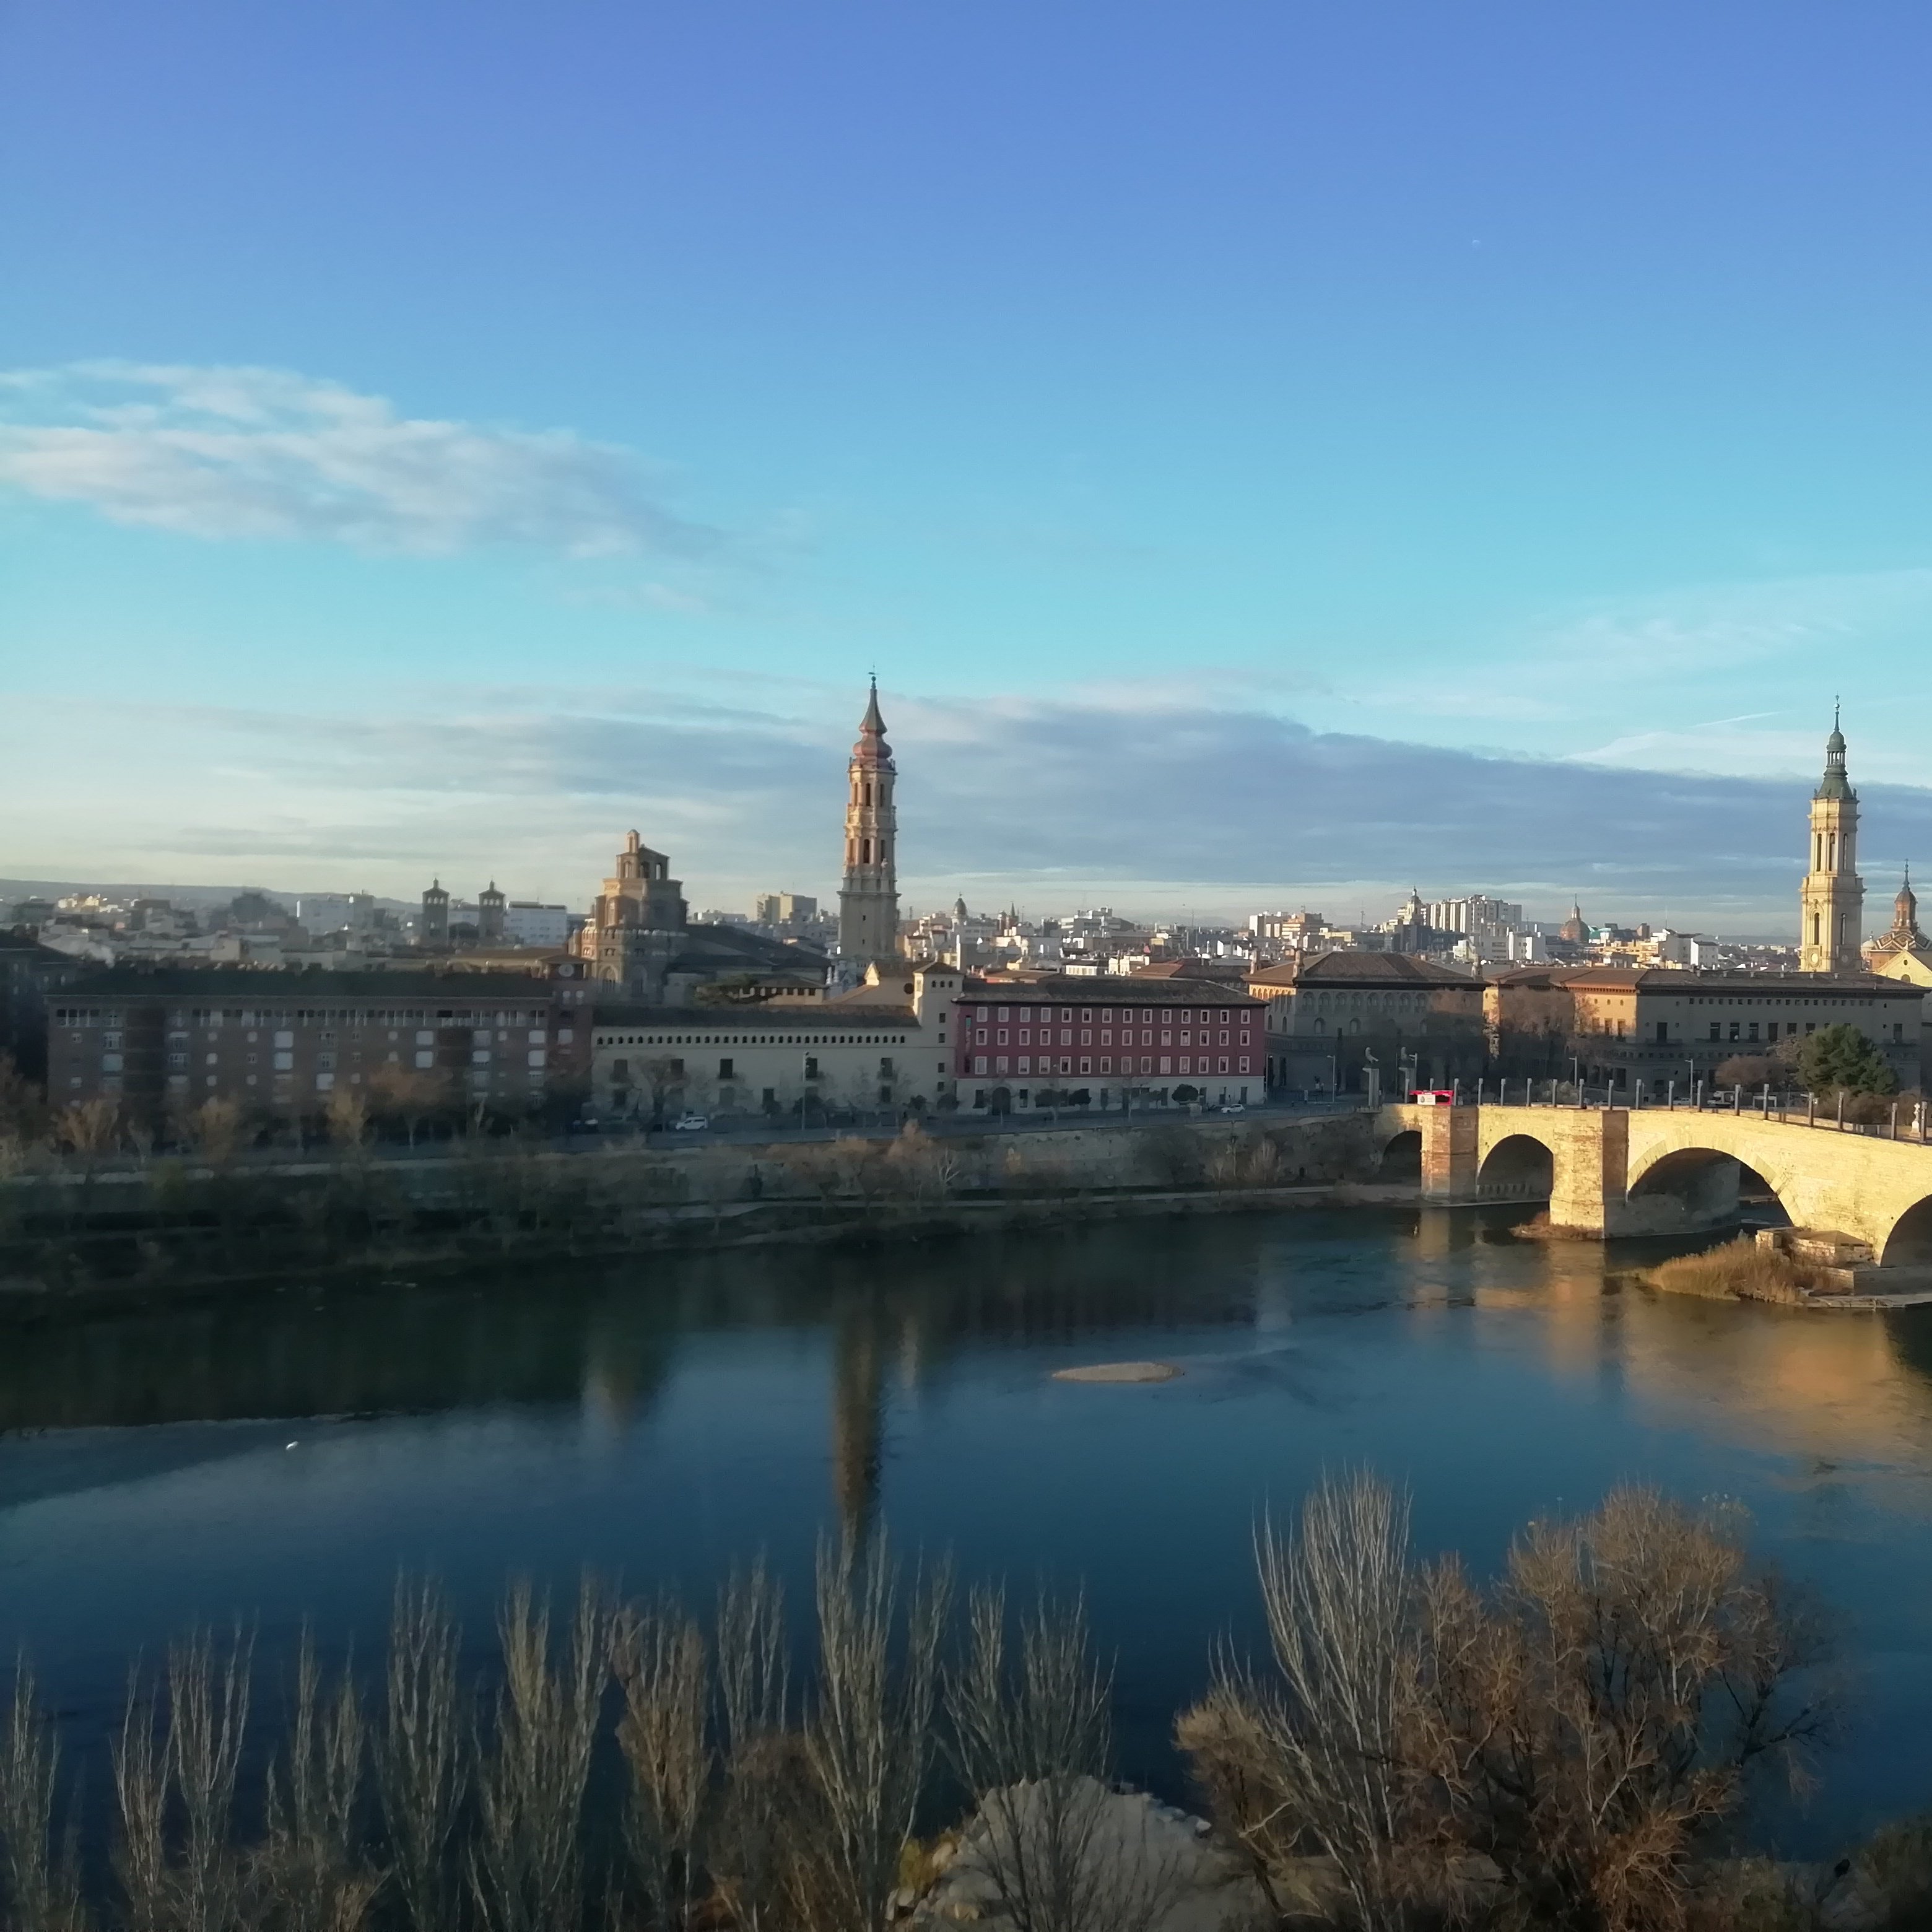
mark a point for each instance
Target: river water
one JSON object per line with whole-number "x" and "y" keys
{"x": 657, "y": 1420}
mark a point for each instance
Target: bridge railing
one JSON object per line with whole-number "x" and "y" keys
{"x": 1907, "y": 1119}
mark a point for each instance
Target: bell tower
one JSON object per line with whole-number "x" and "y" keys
{"x": 1831, "y": 900}
{"x": 868, "y": 901}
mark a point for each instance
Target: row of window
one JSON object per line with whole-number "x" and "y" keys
{"x": 751, "y": 1039}
{"x": 1195, "y": 1064}
{"x": 1024, "y": 1036}
{"x": 308, "y": 1016}
{"x": 1023, "y": 1016}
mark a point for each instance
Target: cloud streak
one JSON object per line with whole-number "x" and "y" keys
{"x": 1153, "y": 807}
{"x": 253, "y": 453}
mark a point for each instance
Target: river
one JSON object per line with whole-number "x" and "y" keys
{"x": 281, "y": 1459}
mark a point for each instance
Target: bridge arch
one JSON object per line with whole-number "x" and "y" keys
{"x": 1401, "y": 1156}
{"x": 1909, "y": 1243}
{"x": 1698, "y": 1187}
{"x": 1517, "y": 1167}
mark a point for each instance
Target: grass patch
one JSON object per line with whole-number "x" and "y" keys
{"x": 1740, "y": 1271}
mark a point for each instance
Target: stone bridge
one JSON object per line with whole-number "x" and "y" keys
{"x": 1610, "y": 1171}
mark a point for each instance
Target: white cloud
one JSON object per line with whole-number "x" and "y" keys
{"x": 265, "y": 453}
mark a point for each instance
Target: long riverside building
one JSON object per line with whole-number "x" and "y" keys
{"x": 283, "y": 1042}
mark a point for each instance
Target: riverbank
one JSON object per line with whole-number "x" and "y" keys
{"x": 169, "y": 1232}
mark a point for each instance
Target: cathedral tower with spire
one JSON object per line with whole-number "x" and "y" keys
{"x": 868, "y": 901}
{"x": 1831, "y": 900}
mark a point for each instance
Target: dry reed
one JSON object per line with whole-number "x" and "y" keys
{"x": 1741, "y": 1269}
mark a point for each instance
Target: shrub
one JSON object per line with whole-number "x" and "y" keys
{"x": 1840, "y": 1059}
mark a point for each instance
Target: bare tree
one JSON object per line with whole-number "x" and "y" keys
{"x": 1576, "y": 1731}
{"x": 411, "y": 1095}
{"x": 347, "y": 1116}
{"x": 1312, "y": 1754}
{"x": 658, "y": 1656}
{"x": 89, "y": 1129}
{"x": 1035, "y": 1745}
{"x": 41, "y": 1892}
{"x": 420, "y": 1765}
{"x": 312, "y": 1862}
{"x": 141, "y": 1786}
{"x": 868, "y": 1740}
{"x": 527, "y": 1868}
{"x": 1588, "y": 1723}
{"x": 215, "y": 1130}
{"x": 207, "y": 1713}
{"x": 761, "y": 1757}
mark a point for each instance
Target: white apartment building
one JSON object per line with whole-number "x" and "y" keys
{"x": 527, "y": 923}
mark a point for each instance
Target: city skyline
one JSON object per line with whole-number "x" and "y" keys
{"x": 1263, "y": 455}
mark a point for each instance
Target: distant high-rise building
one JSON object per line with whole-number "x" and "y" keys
{"x": 868, "y": 901}
{"x": 527, "y": 923}
{"x": 1831, "y": 900}
{"x": 1487, "y": 923}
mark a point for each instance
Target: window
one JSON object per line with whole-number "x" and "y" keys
{"x": 811, "y": 1066}
{"x": 286, "y": 1038}
{"x": 423, "y": 1060}
{"x": 1734, "y": 1029}
{"x": 725, "y": 1070}
{"x": 1714, "y": 1034}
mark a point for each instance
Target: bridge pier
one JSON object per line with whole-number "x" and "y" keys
{"x": 1451, "y": 1161}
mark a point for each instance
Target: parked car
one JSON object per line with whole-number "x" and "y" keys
{"x": 691, "y": 1123}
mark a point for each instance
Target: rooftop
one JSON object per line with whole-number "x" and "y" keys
{"x": 769, "y": 1018}
{"x": 1376, "y": 970}
{"x": 259, "y": 984}
{"x": 1690, "y": 980}
{"x": 1104, "y": 990}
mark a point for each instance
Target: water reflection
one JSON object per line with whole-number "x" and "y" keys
{"x": 662, "y": 1419}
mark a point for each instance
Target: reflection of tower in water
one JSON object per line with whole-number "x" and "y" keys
{"x": 858, "y": 1399}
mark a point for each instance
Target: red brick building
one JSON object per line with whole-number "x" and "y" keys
{"x": 1160, "y": 1042}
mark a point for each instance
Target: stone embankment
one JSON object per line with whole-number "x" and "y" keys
{"x": 168, "y": 1226}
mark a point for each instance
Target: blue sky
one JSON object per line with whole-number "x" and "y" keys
{"x": 1270, "y": 452}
